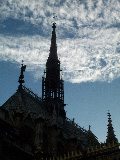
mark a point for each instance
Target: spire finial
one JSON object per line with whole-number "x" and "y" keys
{"x": 89, "y": 127}
{"x": 54, "y": 26}
{"x": 54, "y": 16}
{"x": 21, "y": 77}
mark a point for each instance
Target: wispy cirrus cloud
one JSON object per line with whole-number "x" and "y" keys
{"x": 88, "y": 32}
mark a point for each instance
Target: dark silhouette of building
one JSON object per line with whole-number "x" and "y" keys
{"x": 33, "y": 127}
{"x": 52, "y": 85}
{"x": 111, "y": 137}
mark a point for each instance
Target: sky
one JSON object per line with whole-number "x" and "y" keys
{"x": 88, "y": 45}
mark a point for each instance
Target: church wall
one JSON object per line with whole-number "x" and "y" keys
{"x": 2, "y": 114}
{"x": 39, "y": 133}
{"x": 53, "y": 140}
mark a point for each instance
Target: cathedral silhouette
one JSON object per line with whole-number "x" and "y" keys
{"x": 34, "y": 128}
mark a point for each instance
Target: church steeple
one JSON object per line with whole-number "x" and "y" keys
{"x": 111, "y": 137}
{"x": 52, "y": 84}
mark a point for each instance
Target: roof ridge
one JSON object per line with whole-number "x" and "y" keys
{"x": 31, "y": 93}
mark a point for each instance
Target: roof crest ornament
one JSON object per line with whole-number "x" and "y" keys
{"x": 21, "y": 77}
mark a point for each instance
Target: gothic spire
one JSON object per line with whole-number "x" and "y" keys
{"x": 52, "y": 84}
{"x": 111, "y": 137}
{"x": 53, "y": 47}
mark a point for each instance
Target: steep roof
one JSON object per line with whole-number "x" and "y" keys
{"x": 25, "y": 100}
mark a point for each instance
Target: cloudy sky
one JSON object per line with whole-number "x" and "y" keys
{"x": 88, "y": 40}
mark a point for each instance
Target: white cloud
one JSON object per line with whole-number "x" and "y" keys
{"x": 79, "y": 62}
{"x": 88, "y": 32}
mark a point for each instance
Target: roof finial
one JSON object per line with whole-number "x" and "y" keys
{"x": 89, "y": 127}
{"x": 54, "y": 16}
{"x": 21, "y": 77}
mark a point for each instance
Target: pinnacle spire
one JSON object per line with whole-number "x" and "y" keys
{"x": 111, "y": 137}
{"x": 52, "y": 84}
{"x": 53, "y": 47}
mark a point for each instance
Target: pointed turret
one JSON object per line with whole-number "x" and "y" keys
{"x": 111, "y": 137}
{"x": 52, "y": 84}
